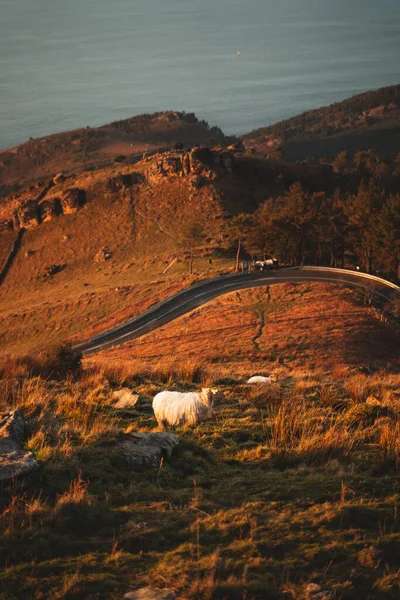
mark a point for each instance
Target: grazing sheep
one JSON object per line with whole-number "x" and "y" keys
{"x": 177, "y": 408}
{"x": 262, "y": 379}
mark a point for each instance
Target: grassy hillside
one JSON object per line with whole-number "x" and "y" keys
{"x": 368, "y": 120}
{"x": 84, "y": 266}
{"x": 38, "y": 308}
{"x": 312, "y": 326}
{"x": 283, "y": 491}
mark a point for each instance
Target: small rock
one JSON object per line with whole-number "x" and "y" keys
{"x": 373, "y": 401}
{"x": 52, "y": 270}
{"x": 59, "y": 178}
{"x": 151, "y": 594}
{"x": 12, "y": 425}
{"x": 316, "y": 592}
{"x": 125, "y": 398}
{"x": 103, "y": 255}
{"x": 148, "y": 448}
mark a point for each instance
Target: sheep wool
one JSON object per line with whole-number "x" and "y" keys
{"x": 262, "y": 379}
{"x": 177, "y": 408}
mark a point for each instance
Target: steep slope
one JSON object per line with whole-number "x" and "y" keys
{"x": 368, "y": 120}
{"x": 98, "y": 242}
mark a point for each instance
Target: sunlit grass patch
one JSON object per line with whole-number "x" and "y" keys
{"x": 281, "y": 486}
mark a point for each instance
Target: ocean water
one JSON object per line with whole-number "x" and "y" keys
{"x": 71, "y": 63}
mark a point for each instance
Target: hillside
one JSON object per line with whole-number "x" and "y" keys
{"x": 107, "y": 231}
{"x": 286, "y": 491}
{"x": 298, "y": 478}
{"x": 92, "y": 148}
{"x": 92, "y": 248}
{"x": 368, "y": 120}
{"x": 290, "y": 326}
{"x": 96, "y": 243}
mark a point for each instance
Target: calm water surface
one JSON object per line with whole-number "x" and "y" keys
{"x": 71, "y": 63}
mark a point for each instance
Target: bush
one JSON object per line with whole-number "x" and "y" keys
{"x": 58, "y": 362}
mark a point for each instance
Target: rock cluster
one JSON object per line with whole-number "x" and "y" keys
{"x": 31, "y": 212}
{"x": 71, "y": 200}
{"x": 123, "y": 181}
{"x": 17, "y": 467}
{"x": 27, "y": 215}
{"x": 196, "y": 162}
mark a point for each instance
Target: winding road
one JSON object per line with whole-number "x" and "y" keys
{"x": 201, "y": 293}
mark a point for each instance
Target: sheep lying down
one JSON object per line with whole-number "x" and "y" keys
{"x": 178, "y": 408}
{"x": 262, "y": 379}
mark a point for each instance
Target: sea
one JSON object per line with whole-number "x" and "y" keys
{"x": 238, "y": 64}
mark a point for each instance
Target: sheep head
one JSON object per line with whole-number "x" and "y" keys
{"x": 218, "y": 395}
{"x": 212, "y": 395}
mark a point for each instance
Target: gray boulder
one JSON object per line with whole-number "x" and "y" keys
{"x": 147, "y": 449}
{"x": 17, "y": 467}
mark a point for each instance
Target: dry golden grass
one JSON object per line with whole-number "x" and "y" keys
{"x": 284, "y": 485}
{"x": 85, "y": 296}
{"x": 311, "y": 326}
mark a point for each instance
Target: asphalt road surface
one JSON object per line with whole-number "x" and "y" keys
{"x": 201, "y": 293}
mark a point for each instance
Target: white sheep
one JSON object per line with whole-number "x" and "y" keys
{"x": 262, "y": 379}
{"x": 178, "y": 408}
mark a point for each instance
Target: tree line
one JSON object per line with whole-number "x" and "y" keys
{"x": 358, "y": 230}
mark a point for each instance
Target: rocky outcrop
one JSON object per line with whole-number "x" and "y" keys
{"x": 27, "y": 215}
{"x": 17, "y": 467}
{"x": 49, "y": 209}
{"x": 196, "y": 162}
{"x": 123, "y": 181}
{"x": 71, "y": 200}
{"x": 147, "y": 449}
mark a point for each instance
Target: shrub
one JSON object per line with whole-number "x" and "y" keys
{"x": 58, "y": 362}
